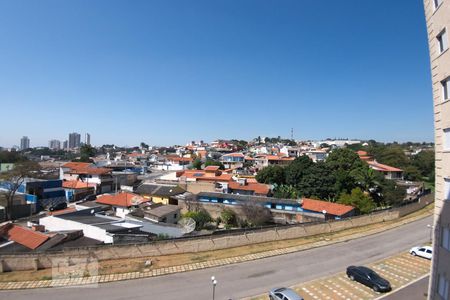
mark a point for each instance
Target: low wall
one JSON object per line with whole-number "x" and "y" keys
{"x": 33, "y": 261}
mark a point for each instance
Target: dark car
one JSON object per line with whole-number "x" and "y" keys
{"x": 369, "y": 278}
{"x": 89, "y": 198}
{"x": 58, "y": 206}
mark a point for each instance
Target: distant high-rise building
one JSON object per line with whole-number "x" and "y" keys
{"x": 65, "y": 145}
{"x": 74, "y": 140}
{"x": 87, "y": 139}
{"x": 54, "y": 144}
{"x": 437, "y": 15}
{"x": 24, "y": 143}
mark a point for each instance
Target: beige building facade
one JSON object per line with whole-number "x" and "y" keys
{"x": 437, "y": 14}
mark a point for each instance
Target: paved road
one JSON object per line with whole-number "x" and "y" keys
{"x": 251, "y": 278}
{"x": 416, "y": 291}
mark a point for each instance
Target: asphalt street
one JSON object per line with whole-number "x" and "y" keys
{"x": 250, "y": 278}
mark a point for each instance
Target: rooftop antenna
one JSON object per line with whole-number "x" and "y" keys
{"x": 292, "y": 133}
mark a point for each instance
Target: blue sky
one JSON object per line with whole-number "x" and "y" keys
{"x": 168, "y": 72}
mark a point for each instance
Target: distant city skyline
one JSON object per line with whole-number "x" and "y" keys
{"x": 169, "y": 73}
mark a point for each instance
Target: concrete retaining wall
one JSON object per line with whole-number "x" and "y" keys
{"x": 33, "y": 261}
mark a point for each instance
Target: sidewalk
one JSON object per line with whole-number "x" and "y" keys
{"x": 195, "y": 266}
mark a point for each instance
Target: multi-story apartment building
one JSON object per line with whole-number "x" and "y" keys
{"x": 87, "y": 139}
{"x": 24, "y": 143}
{"x": 74, "y": 140}
{"x": 437, "y": 14}
{"x": 54, "y": 144}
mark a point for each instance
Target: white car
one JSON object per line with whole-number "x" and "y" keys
{"x": 424, "y": 251}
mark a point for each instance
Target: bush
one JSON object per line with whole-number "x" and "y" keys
{"x": 201, "y": 218}
{"x": 228, "y": 217}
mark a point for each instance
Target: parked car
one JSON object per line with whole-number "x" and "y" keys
{"x": 369, "y": 278}
{"x": 425, "y": 251}
{"x": 58, "y": 206}
{"x": 89, "y": 198}
{"x": 283, "y": 294}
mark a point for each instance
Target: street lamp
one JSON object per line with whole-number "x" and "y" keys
{"x": 214, "y": 283}
{"x": 431, "y": 231}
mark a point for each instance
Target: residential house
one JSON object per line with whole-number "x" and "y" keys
{"x": 108, "y": 230}
{"x": 160, "y": 193}
{"x": 163, "y": 214}
{"x": 329, "y": 209}
{"x": 316, "y": 154}
{"x": 77, "y": 190}
{"x": 243, "y": 187}
{"x": 90, "y": 174}
{"x": 262, "y": 161}
{"x": 388, "y": 171}
{"x": 290, "y": 151}
{"x": 122, "y": 203}
{"x": 173, "y": 163}
{"x": 233, "y": 160}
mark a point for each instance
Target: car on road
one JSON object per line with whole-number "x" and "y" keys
{"x": 58, "y": 206}
{"x": 369, "y": 278}
{"x": 424, "y": 251}
{"x": 284, "y": 294}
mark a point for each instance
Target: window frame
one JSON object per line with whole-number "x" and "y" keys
{"x": 442, "y": 39}
{"x": 445, "y": 242}
{"x": 445, "y": 85}
{"x": 446, "y": 139}
{"x": 436, "y": 5}
{"x": 442, "y": 283}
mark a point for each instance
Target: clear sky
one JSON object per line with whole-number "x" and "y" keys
{"x": 168, "y": 72}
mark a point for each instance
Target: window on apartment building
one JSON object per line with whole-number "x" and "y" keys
{"x": 445, "y": 239}
{"x": 437, "y": 3}
{"x": 446, "y": 188}
{"x": 443, "y": 287}
{"x": 445, "y": 89}
{"x": 446, "y": 139}
{"x": 442, "y": 40}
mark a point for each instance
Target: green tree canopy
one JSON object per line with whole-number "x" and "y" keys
{"x": 360, "y": 200}
{"x": 297, "y": 169}
{"x": 271, "y": 175}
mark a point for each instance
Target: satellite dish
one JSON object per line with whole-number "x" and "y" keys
{"x": 187, "y": 224}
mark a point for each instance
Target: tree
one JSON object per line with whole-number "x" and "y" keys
{"x": 255, "y": 214}
{"x": 286, "y": 191}
{"x": 228, "y": 216}
{"x": 424, "y": 162}
{"x": 392, "y": 156}
{"x": 343, "y": 162}
{"x": 412, "y": 173}
{"x": 86, "y": 152}
{"x": 318, "y": 181}
{"x": 391, "y": 193}
{"x": 360, "y": 200}
{"x": 201, "y": 218}
{"x": 15, "y": 178}
{"x": 366, "y": 178}
{"x": 210, "y": 162}
{"x": 144, "y": 145}
{"x": 197, "y": 164}
{"x": 296, "y": 170}
{"x": 271, "y": 175}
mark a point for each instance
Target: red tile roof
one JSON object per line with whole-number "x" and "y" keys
{"x": 235, "y": 155}
{"x": 62, "y": 211}
{"x": 383, "y": 168}
{"x": 212, "y": 168}
{"x": 76, "y": 184}
{"x": 257, "y": 188}
{"x": 76, "y": 165}
{"x": 330, "y": 207}
{"x": 123, "y": 199}
{"x": 24, "y": 236}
